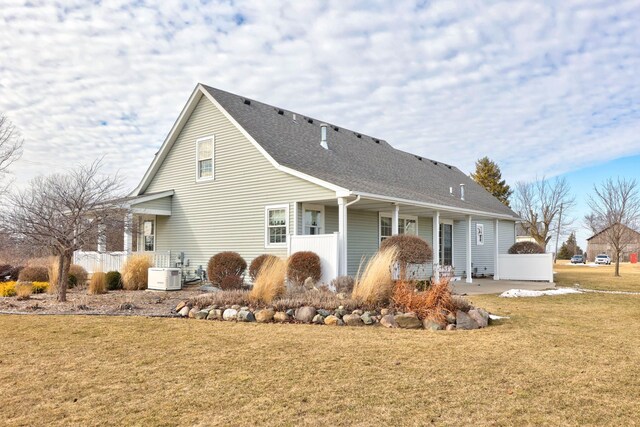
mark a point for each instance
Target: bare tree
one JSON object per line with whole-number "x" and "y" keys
{"x": 615, "y": 209}
{"x": 63, "y": 211}
{"x": 540, "y": 204}
{"x": 10, "y": 146}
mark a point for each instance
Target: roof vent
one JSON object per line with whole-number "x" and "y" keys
{"x": 377, "y": 141}
{"x": 419, "y": 158}
{"x": 323, "y": 136}
{"x": 247, "y": 102}
{"x": 310, "y": 120}
{"x": 435, "y": 163}
{"x": 281, "y": 112}
{"x": 461, "y": 191}
{"x": 336, "y": 128}
{"x": 358, "y": 135}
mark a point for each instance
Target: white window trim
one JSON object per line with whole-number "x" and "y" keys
{"x": 390, "y": 215}
{"x": 311, "y": 207}
{"x": 141, "y": 243}
{"x": 268, "y": 244}
{"x": 213, "y": 158}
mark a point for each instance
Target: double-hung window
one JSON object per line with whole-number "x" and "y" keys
{"x": 149, "y": 235}
{"x": 406, "y": 225}
{"x": 446, "y": 243}
{"x": 204, "y": 159}
{"x": 276, "y": 225}
{"x": 312, "y": 219}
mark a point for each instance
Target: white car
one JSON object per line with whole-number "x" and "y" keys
{"x": 603, "y": 259}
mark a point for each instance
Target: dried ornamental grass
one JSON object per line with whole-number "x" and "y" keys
{"x": 433, "y": 304}
{"x": 270, "y": 281}
{"x": 256, "y": 264}
{"x": 98, "y": 283}
{"x": 52, "y": 269}
{"x": 135, "y": 272}
{"x": 375, "y": 285}
{"x": 23, "y": 290}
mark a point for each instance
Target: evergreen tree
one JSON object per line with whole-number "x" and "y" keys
{"x": 572, "y": 245}
{"x": 564, "y": 253}
{"x": 488, "y": 175}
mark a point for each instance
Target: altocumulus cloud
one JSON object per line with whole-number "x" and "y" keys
{"x": 542, "y": 89}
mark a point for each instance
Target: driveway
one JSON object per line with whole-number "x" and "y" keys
{"x": 490, "y": 286}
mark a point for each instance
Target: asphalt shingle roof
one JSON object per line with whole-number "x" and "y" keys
{"x": 354, "y": 161}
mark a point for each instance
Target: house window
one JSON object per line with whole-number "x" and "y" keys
{"x": 479, "y": 234}
{"x": 406, "y": 225}
{"x": 446, "y": 244}
{"x": 312, "y": 219}
{"x": 204, "y": 159}
{"x": 149, "y": 235}
{"x": 277, "y": 225}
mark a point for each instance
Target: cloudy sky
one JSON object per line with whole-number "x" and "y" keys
{"x": 543, "y": 88}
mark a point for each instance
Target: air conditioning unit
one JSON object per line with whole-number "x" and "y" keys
{"x": 164, "y": 279}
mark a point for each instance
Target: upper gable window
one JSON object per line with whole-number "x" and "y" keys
{"x": 204, "y": 159}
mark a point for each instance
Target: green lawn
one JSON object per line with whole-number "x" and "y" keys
{"x": 564, "y": 360}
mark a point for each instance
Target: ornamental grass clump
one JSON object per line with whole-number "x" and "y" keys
{"x": 256, "y": 264}
{"x": 23, "y": 290}
{"x": 375, "y": 285}
{"x": 98, "y": 283}
{"x": 434, "y": 303}
{"x": 135, "y": 272}
{"x": 270, "y": 281}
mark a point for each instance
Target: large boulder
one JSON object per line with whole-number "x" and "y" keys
{"x": 202, "y": 314}
{"x": 389, "y": 321}
{"x": 184, "y": 311}
{"x": 318, "y": 319}
{"x": 215, "y": 314}
{"x": 281, "y": 316}
{"x": 180, "y": 305}
{"x": 432, "y": 325}
{"x": 480, "y": 316}
{"x": 464, "y": 321}
{"x": 230, "y": 314}
{"x": 192, "y": 312}
{"x": 265, "y": 316}
{"x": 331, "y": 320}
{"x": 408, "y": 321}
{"x": 246, "y": 316}
{"x": 352, "y": 320}
{"x": 305, "y": 314}
{"x": 366, "y": 318}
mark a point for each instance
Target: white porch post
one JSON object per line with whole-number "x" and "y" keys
{"x": 395, "y": 219}
{"x": 496, "y": 252}
{"x": 342, "y": 238}
{"x": 128, "y": 224}
{"x": 102, "y": 237}
{"x": 436, "y": 245}
{"x": 469, "y": 240}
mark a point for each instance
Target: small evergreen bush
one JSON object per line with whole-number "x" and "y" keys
{"x": 302, "y": 265}
{"x": 77, "y": 276}
{"x": 114, "y": 280}
{"x": 223, "y": 265}
{"x": 526, "y": 248}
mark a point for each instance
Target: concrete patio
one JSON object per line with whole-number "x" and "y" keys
{"x": 490, "y": 286}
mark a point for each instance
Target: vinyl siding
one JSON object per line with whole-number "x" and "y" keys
{"x": 506, "y": 235}
{"x": 425, "y": 230}
{"x": 460, "y": 247}
{"x": 228, "y": 213}
{"x": 362, "y": 237}
{"x": 482, "y": 256}
{"x": 162, "y": 204}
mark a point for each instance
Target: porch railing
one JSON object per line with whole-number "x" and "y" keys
{"x": 93, "y": 261}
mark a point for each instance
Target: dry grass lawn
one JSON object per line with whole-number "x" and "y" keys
{"x": 563, "y": 360}
{"x": 600, "y": 277}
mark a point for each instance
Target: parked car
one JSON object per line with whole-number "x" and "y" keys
{"x": 603, "y": 259}
{"x": 578, "y": 259}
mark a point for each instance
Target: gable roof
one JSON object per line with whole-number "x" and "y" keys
{"x": 605, "y": 229}
{"x": 354, "y": 162}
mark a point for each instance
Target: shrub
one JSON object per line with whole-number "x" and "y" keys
{"x": 23, "y": 290}
{"x": 302, "y": 265}
{"x": 77, "y": 275}
{"x": 7, "y": 270}
{"x": 232, "y": 282}
{"x": 135, "y": 272}
{"x": 222, "y": 298}
{"x": 254, "y": 268}
{"x": 375, "y": 285}
{"x": 114, "y": 280}
{"x": 434, "y": 303}
{"x": 34, "y": 274}
{"x": 40, "y": 287}
{"x": 343, "y": 284}
{"x": 526, "y": 248}
{"x": 98, "y": 283}
{"x": 7, "y": 289}
{"x": 225, "y": 264}
{"x": 410, "y": 250}
{"x": 269, "y": 283}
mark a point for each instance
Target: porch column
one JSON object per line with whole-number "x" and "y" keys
{"x": 436, "y": 245}
{"x": 102, "y": 237}
{"x": 496, "y": 251}
{"x": 469, "y": 240}
{"x": 395, "y": 219}
{"x": 342, "y": 236}
{"x": 128, "y": 225}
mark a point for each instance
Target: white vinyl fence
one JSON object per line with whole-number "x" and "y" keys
{"x": 113, "y": 261}
{"x": 538, "y": 267}
{"x": 325, "y": 245}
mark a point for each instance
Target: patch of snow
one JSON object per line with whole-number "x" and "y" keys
{"x": 496, "y": 317}
{"x": 518, "y": 293}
